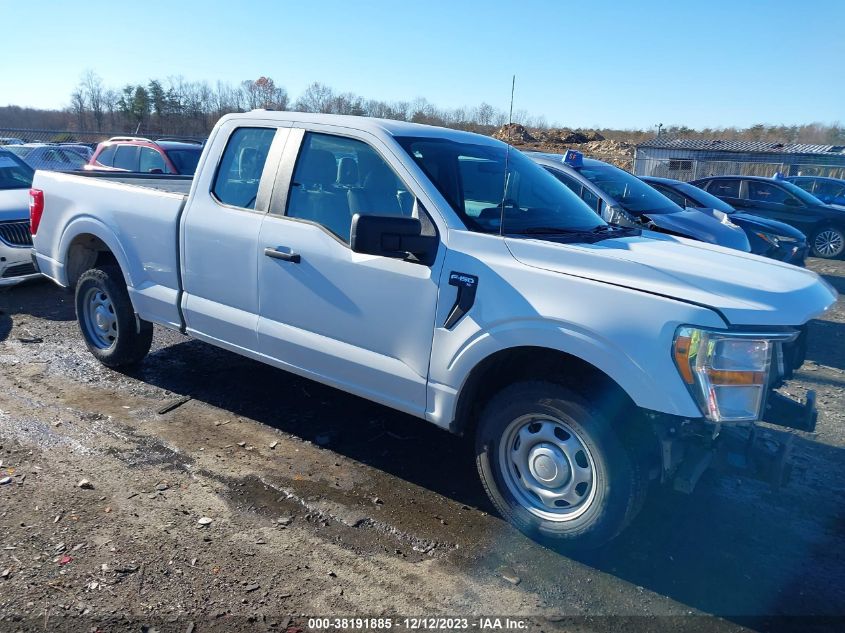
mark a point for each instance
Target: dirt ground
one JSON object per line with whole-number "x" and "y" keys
{"x": 318, "y": 503}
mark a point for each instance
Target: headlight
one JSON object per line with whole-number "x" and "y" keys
{"x": 618, "y": 216}
{"x": 773, "y": 239}
{"x": 727, "y": 373}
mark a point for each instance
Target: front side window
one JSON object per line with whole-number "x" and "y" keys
{"x": 488, "y": 183}
{"x": 239, "y": 174}
{"x": 591, "y": 199}
{"x": 764, "y": 192}
{"x": 674, "y": 196}
{"x": 337, "y": 177}
{"x": 151, "y": 161}
{"x": 185, "y": 160}
{"x": 829, "y": 190}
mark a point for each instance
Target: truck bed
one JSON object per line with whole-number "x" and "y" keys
{"x": 135, "y": 215}
{"x": 161, "y": 182}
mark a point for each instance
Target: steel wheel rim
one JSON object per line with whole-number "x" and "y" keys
{"x": 829, "y": 243}
{"x": 99, "y": 318}
{"x": 547, "y": 468}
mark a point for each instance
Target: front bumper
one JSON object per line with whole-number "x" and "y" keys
{"x": 17, "y": 264}
{"x": 690, "y": 447}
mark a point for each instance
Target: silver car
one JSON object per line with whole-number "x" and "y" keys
{"x": 16, "y": 263}
{"x": 48, "y": 157}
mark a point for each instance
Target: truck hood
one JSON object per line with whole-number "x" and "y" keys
{"x": 702, "y": 227}
{"x": 744, "y": 288}
{"x": 14, "y": 204}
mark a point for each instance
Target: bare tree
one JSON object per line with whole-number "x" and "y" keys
{"x": 92, "y": 87}
{"x": 78, "y": 105}
{"x": 316, "y": 98}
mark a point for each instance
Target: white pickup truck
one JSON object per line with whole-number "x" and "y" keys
{"x": 446, "y": 275}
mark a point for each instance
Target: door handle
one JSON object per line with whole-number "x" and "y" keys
{"x": 286, "y": 257}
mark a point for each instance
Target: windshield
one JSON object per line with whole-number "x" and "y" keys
{"x": 185, "y": 160}
{"x": 19, "y": 150}
{"x": 472, "y": 179}
{"x": 14, "y": 173}
{"x": 704, "y": 199}
{"x": 630, "y": 192}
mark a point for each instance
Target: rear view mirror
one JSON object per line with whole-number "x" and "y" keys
{"x": 392, "y": 236}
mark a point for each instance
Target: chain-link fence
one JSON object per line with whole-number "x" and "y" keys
{"x": 692, "y": 165}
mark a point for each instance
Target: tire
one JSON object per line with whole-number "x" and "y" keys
{"x": 541, "y": 429}
{"x": 828, "y": 242}
{"x": 107, "y": 320}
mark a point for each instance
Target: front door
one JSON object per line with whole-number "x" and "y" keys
{"x": 772, "y": 201}
{"x": 363, "y": 323}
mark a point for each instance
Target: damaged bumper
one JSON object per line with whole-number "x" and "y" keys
{"x": 690, "y": 448}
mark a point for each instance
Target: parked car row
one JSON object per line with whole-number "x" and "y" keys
{"x": 452, "y": 277}
{"x": 766, "y": 216}
{"x": 781, "y": 200}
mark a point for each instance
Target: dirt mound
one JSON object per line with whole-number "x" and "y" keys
{"x": 567, "y": 136}
{"x": 514, "y": 133}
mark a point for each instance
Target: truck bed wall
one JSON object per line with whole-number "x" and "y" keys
{"x": 138, "y": 224}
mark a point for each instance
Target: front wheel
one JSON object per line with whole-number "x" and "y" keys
{"x": 107, "y": 320}
{"x": 828, "y": 242}
{"x": 555, "y": 468}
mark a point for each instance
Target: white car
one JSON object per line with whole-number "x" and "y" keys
{"x": 446, "y": 275}
{"x": 16, "y": 262}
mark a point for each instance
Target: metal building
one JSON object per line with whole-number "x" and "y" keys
{"x": 688, "y": 159}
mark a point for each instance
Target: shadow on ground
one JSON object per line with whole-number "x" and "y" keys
{"x": 733, "y": 548}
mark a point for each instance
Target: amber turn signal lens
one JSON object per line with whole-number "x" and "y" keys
{"x": 681, "y": 351}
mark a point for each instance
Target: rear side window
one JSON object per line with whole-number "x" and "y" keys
{"x": 240, "y": 169}
{"x": 570, "y": 182}
{"x": 126, "y": 157}
{"x": 724, "y": 188}
{"x": 106, "y": 157}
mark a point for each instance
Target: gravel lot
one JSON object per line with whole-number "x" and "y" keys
{"x": 323, "y": 504}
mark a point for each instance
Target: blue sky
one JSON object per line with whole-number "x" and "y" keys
{"x": 623, "y": 63}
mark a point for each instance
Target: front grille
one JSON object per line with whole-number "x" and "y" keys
{"x": 19, "y": 270}
{"x": 16, "y": 233}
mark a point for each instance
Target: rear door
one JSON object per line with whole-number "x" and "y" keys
{"x": 363, "y": 323}
{"x": 220, "y": 232}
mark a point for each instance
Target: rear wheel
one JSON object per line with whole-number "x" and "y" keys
{"x": 107, "y": 320}
{"x": 555, "y": 468}
{"x": 828, "y": 242}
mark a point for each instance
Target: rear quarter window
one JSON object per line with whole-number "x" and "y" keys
{"x": 106, "y": 157}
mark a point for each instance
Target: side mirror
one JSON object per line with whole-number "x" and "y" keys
{"x": 392, "y": 236}
{"x": 155, "y": 170}
{"x": 792, "y": 202}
